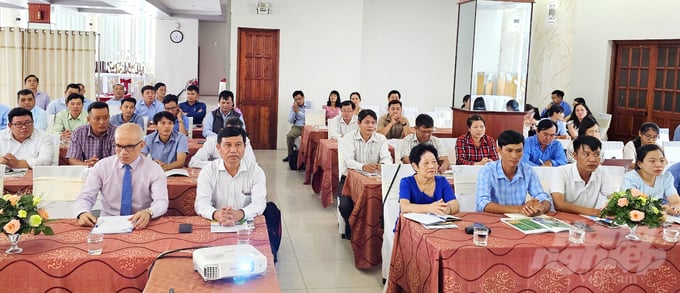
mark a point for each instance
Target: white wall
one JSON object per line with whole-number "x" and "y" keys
{"x": 597, "y": 23}
{"x": 176, "y": 63}
{"x": 213, "y": 43}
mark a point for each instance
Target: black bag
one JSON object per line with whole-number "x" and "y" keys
{"x": 293, "y": 160}
{"x": 272, "y": 215}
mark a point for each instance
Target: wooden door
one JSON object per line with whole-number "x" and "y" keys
{"x": 258, "y": 84}
{"x": 645, "y": 86}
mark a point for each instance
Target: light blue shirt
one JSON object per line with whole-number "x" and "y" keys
{"x": 535, "y": 156}
{"x": 494, "y": 186}
{"x": 117, "y": 120}
{"x": 298, "y": 119}
{"x": 675, "y": 171}
{"x": 185, "y": 121}
{"x": 149, "y": 111}
{"x": 4, "y": 110}
{"x": 564, "y": 105}
{"x": 59, "y": 105}
{"x": 165, "y": 152}
{"x": 208, "y": 122}
{"x": 39, "y": 118}
{"x": 676, "y": 133}
{"x": 663, "y": 186}
{"x": 561, "y": 127}
{"x": 113, "y": 103}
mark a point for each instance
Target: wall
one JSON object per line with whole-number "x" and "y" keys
{"x": 176, "y": 63}
{"x": 213, "y": 44}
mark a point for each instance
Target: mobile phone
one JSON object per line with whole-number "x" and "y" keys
{"x": 607, "y": 224}
{"x": 471, "y": 228}
{"x": 185, "y": 228}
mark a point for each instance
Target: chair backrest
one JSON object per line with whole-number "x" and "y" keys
{"x": 450, "y": 146}
{"x": 442, "y": 117}
{"x": 56, "y": 142}
{"x": 58, "y": 186}
{"x": 341, "y": 162}
{"x": 2, "y": 177}
{"x": 664, "y": 135}
{"x": 410, "y": 109}
{"x": 397, "y": 145}
{"x": 465, "y": 186}
{"x": 544, "y": 174}
{"x": 672, "y": 150}
{"x": 614, "y": 175}
{"x": 379, "y": 111}
{"x": 604, "y": 121}
{"x": 315, "y": 117}
{"x": 50, "y": 122}
{"x": 391, "y": 207}
{"x": 565, "y": 143}
{"x": 612, "y": 149}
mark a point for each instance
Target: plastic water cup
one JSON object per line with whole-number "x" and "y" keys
{"x": 577, "y": 234}
{"x": 480, "y": 236}
{"x": 670, "y": 234}
{"x": 243, "y": 235}
{"x": 95, "y": 243}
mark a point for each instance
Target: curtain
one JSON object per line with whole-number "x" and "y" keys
{"x": 11, "y": 80}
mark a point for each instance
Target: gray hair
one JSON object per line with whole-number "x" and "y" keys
{"x": 132, "y": 127}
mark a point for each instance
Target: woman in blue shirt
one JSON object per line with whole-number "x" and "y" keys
{"x": 650, "y": 178}
{"x": 424, "y": 192}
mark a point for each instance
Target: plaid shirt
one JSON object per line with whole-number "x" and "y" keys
{"x": 85, "y": 145}
{"x": 468, "y": 154}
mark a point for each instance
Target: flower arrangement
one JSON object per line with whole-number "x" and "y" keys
{"x": 19, "y": 214}
{"x": 632, "y": 207}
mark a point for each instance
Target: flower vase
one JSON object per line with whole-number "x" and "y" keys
{"x": 631, "y": 232}
{"x": 13, "y": 241}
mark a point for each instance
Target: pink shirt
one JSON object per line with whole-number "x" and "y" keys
{"x": 331, "y": 112}
{"x": 149, "y": 187}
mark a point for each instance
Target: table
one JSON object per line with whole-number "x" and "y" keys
{"x": 325, "y": 171}
{"x": 447, "y": 261}
{"x": 196, "y": 132}
{"x": 60, "y": 262}
{"x": 308, "y": 147}
{"x": 194, "y": 145}
{"x": 181, "y": 191}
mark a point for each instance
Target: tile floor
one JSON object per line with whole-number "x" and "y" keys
{"x": 312, "y": 258}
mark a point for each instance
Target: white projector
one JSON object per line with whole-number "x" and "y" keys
{"x": 229, "y": 261}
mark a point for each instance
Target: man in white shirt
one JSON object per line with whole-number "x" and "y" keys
{"x": 231, "y": 189}
{"x": 424, "y": 129}
{"x": 340, "y": 125}
{"x": 22, "y": 146}
{"x": 26, "y": 100}
{"x": 208, "y": 152}
{"x": 581, "y": 187}
{"x": 362, "y": 149}
{"x": 118, "y": 95}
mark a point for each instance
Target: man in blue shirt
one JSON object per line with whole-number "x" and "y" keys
{"x": 148, "y": 106}
{"x": 214, "y": 121}
{"x": 59, "y": 105}
{"x": 26, "y": 100}
{"x": 557, "y": 97}
{"x": 192, "y": 107}
{"x": 542, "y": 149}
{"x": 170, "y": 104}
{"x": 127, "y": 114}
{"x": 4, "y": 111}
{"x": 167, "y": 147}
{"x": 297, "y": 118}
{"x": 502, "y": 185}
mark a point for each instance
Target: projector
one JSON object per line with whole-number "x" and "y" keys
{"x": 229, "y": 261}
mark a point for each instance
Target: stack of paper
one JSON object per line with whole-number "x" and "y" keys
{"x": 432, "y": 221}
{"x": 113, "y": 225}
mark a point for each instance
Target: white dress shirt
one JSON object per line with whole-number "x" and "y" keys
{"x": 208, "y": 152}
{"x": 37, "y": 149}
{"x": 217, "y": 189}
{"x": 356, "y": 151}
{"x": 337, "y": 127}
{"x": 566, "y": 180}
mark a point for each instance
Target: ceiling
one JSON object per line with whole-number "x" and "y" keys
{"x": 207, "y": 10}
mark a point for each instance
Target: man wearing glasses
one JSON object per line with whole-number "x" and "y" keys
{"x": 130, "y": 184}
{"x": 22, "y": 146}
{"x": 424, "y": 129}
{"x": 94, "y": 140}
{"x": 542, "y": 149}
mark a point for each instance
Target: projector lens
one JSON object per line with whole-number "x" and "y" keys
{"x": 247, "y": 267}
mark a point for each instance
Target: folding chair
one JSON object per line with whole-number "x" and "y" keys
{"x": 391, "y": 175}
{"x": 465, "y": 186}
{"x": 58, "y": 186}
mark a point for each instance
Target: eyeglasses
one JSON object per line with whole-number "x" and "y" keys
{"x": 650, "y": 137}
{"x": 24, "y": 124}
{"x": 128, "y": 148}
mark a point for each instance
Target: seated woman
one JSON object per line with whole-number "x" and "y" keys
{"x": 530, "y": 119}
{"x": 650, "y": 178}
{"x": 576, "y": 118}
{"x": 424, "y": 192}
{"x": 332, "y": 106}
{"x": 355, "y": 97}
{"x": 466, "y": 103}
{"x": 588, "y": 127}
{"x": 475, "y": 147}
{"x": 648, "y": 134}
{"x": 512, "y": 106}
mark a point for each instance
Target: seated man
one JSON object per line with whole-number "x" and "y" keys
{"x": 214, "y": 121}
{"x": 167, "y": 147}
{"x": 118, "y": 95}
{"x": 542, "y": 149}
{"x": 556, "y": 114}
{"x": 393, "y": 125}
{"x": 208, "y": 152}
{"x": 424, "y": 128}
{"x": 58, "y": 105}
{"x": 296, "y": 117}
{"x": 148, "y": 106}
{"x": 68, "y": 120}
{"x": 26, "y": 100}
{"x": 22, "y": 146}
{"x": 161, "y": 89}
{"x": 362, "y": 149}
{"x": 4, "y": 110}
{"x": 94, "y": 141}
{"x": 502, "y": 185}
{"x": 557, "y": 97}
{"x": 340, "y": 125}
{"x": 130, "y": 184}
{"x": 127, "y": 114}
{"x": 170, "y": 105}
{"x": 580, "y": 188}
{"x": 192, "y": 107}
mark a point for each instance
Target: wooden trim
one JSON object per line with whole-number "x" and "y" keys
{"x": 612, "y": 79}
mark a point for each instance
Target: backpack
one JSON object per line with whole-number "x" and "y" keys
{"x": 293, "y": 160}
{"x": 272, "y": 215}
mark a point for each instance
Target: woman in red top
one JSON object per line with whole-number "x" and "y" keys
{"x": 475, "y": 147}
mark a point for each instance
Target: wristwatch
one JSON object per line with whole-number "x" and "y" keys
{"x": 149, "y": 211}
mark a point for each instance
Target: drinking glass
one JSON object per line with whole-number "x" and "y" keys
{"x": 480, "y": 236}
{"x": 670, "y": 234}
{"x": 243, "y": 235}
{"x": 577, "y": 234}
{"x": 95, "y": 243}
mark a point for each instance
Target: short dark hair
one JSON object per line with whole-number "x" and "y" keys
{"x": 424, "y": 120}
{"x": 193, "y": 88}
{"x": 130, "y": 99}
{"x": 419, "y": 150}
{"x": 337, "y": 101}
{"x": 164, "y": 114}
{"x": 644, "y": 150}
{"x": 97, "y": 105}
{"x": 479, "y": 104}
{"x": 233, "y": 122}
{"x": 355, "y": 93}
{"x": 649, "y": 126}
{"x": 592, "y": 142}
{"x": 25, "y": 92}
{"x": 17, "y": 112}
{"x": 545, "y": 124}
{"x": 473, "y": 118}
{"x": 392, "y": 102}
{"x": 558, "y": 93}
{"x": 587, "y": 123}
{"x": 580, "y": 100}
{"x": 513, "y": 105}
{"x": 74, "y": 96}
{"x": 348, "y": 103}
{"x": 394, "y": 92}
{"x": 230, "y": 132}
{"x": 72, "y": 86}
{"x": 367, "y": 112}
{"x": 29, "y": 76}
{"x": 298, "y": 92}
{"x": 148, "y": 88}
{"x": 509, "y": 137}
{"x": 555, "y": 109}
{"x": 170, "y": 98}
{"x": 226, "y": 95}
{"x": 158, "y": 85}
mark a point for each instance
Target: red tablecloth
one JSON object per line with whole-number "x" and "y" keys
{"x": 194, "y": 144}
{"x": 325, "y": 175}
{"x": 181, "y": 191}
{"x": 447, "y": 260}
{"x": 309, "y": 143}
{"x": 60, "y": 263}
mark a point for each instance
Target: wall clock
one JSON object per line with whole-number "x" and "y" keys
{"x": 176, "y": 36}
